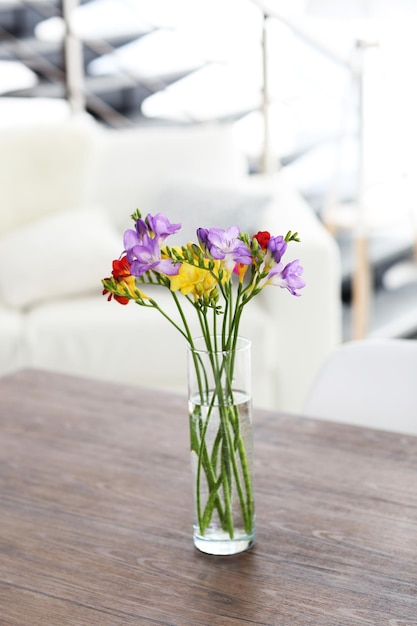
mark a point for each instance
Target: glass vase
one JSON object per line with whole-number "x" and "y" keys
{"x": 220, "y": 411}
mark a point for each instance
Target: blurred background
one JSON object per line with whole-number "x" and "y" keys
{"x": 323, "y": 92}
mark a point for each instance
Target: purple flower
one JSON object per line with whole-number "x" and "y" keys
{"x": 145, "y": 255}
{"x": 141, "y": 228}
{"x": 156, "y": 226}
{"x": 287, "y": 277}
{"x": 202, "y": 235}
{"x": 131, "y": 238}
{"x": 276, "y": 248}
{"x": 225, "y": 245}
{"x": 161, "y": 227}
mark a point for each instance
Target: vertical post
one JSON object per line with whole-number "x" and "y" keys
{"x": 266, "y": 164}
{"x": 74, "y": 64}
{"x": 362, "y": 279}
{"x": 361, "y": 269}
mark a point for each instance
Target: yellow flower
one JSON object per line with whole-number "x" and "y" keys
{"x": 193, "y": 280}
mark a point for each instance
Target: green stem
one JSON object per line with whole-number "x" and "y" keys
{"x": 230, "y": 445}
{"x": 227, "y": 486}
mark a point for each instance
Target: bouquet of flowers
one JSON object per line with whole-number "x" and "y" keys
{"x": 218, "y": 275}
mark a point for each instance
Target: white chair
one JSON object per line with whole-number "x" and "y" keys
{"x": 370, "y": 382}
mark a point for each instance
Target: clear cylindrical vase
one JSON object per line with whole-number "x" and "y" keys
{"x": 220, "y": 411}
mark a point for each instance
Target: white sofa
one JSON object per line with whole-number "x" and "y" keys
{"x": 67, "y": 191}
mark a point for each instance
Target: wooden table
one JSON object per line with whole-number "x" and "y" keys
{"x": 95, "y": 516}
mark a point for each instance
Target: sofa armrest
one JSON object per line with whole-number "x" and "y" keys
{"x": 309, "y": 327}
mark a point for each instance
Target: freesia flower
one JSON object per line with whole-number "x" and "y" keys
{"x": 287, "y": 277}
{"x": 132, "y": 237}
{"x": 145, "y": 255}
{"x": 262, "y": 237}
{"x": 276, "y": 248}
{"x": 123, "y": 281}
{"x": 121, "y": 268}
{"x": 141, "y": 228}
{"x": 160, "y": 226}
{"x": 225, "y": 245}
{"x": 193, "y": 280}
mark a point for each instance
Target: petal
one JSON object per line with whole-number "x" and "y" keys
{"x": 130, "y": 239}
{"x": 167, "y": 267}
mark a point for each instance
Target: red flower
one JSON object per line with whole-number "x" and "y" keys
{"x": 121, "y": 271}
{"x": 121, "y": 299}
{"x": 262, "y": 237}
{"x": 121, "y": 268}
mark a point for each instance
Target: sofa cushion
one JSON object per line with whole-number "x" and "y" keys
{"x": 135, "y": 164}
{"x": 44, "y": 167}
{"x": 61, "y": 255}
{"x": 196, "y": 204}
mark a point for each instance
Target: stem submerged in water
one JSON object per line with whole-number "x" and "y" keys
{"x": 222, "y": 444}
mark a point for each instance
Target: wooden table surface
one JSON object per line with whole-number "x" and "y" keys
{"x": 95, "y": 516}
